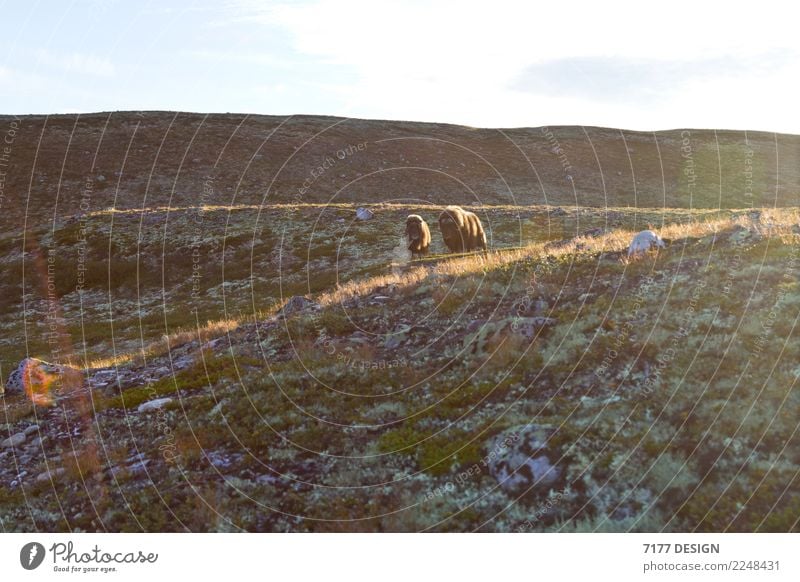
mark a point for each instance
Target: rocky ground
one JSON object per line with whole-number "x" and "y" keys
{"x": 237, "y": 349}
{"x": 555, "y": 386}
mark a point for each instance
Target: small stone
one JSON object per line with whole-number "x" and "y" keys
{"x": 55, "y": 474}
{"x": 34, "y": 428}
{"x": 14, "y": 440}
{"x": 296, "y": 304}
{"x": 139, "y": 467}
{"x": 154, "y": 404}
{"x": 267, "y": 480}
{"x": 214, "y": 343}
{"x": 183, "y": 362}
{"x": 364, "y": 214}
{"x": 135, "y": 458}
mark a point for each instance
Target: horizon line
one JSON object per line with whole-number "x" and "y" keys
{"x": 287, "y": 117}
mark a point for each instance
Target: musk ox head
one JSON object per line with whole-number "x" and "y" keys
{"x": 452, "y": 224}
{"x": 414, "y": 227}
{"x": 418, "y": 235}
{"x": 452, "y": 215}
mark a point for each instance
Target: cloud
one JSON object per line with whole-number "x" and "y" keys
{"x": 502, "y": 63}
{"x": 607, "y": 79}
{"x": 244, "y": 57}
{"x": 75, "y": 62}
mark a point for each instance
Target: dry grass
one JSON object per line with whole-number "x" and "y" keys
{"x": 773, "y": 223}
{"x": 391, "y": 206}
{"x": 201, "y": 334}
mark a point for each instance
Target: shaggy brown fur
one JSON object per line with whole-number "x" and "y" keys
{"x": 462, "y": 230}
{"x": 418, "y": 235}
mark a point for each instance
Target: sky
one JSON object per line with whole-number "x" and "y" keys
{"x": 636, "y": 65}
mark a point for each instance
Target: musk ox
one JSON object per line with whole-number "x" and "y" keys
{"x": 462, "y": 230}
{"x": 418, "y": 235}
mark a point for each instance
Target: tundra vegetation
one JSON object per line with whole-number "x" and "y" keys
{"x": 666, "y": 383}
{"x": 255, "y": 357}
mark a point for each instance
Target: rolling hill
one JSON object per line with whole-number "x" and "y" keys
{"x": 254, "y": 357}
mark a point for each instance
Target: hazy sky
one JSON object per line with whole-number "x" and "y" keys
{"x": 638, "y": 65}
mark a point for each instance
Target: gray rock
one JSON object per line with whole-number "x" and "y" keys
{"x": 135, "y": 458}
{"x": 161, "y": 372}
{"x": 14, "y": 440}
{"x": 54, "y": 474}
{"x": 153, "y": 404}
{"x": 364, "y": 214}
{"x": 267, "y": 479}
{"x": 643, "y": 242}
{"x": 296, "y": 304}
{"x": 529, "y": 326}
{"x": 475, "y": 325}
{"x": 521, "y": 459}
{"x": 139, "y": 466}
{"x": 32, "y": 429}
{"x": 394, "y": 340}
{"x": 39, "y": 371}
{"x": 183, "y": 362}
{"x": 214, "y": 343}
{"x": 489, "y": 332}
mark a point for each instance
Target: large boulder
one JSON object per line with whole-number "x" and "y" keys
{"x": 41, "y": 380}
{"x": 156, "y": 404}
{"x": 645, "y": 241}
{"x": 522, "y": 459}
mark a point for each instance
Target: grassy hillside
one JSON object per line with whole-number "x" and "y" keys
{"x": 63, "y": 164}
{"x": 665, "y": 386}
{"x": 316, "y": 379}
{"x": 112, "y": 282}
